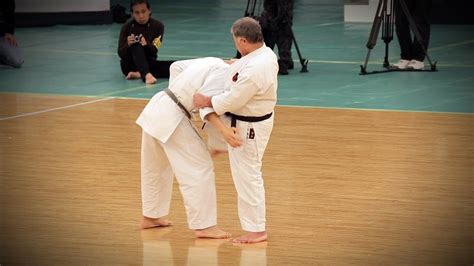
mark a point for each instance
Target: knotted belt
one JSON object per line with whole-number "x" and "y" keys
{"x": 235, "y": 117}
{"x": 175, "y": 99}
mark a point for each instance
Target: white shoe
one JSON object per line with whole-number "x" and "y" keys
{"x": 417, "y": 65}
{"x": 402, "y": 64}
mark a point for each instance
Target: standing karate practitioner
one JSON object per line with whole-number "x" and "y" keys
{"x": 249, "y": 105}
{"x": 170, "y": 144}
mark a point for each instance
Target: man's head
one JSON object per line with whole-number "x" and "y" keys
{"x": 140, "y": 10}
{"x": 247, "y": 35}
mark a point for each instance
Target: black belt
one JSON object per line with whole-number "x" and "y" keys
{"x": 173, "y": 97}
{"x": 235, "y": 117}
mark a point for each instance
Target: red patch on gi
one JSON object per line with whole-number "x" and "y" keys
{"x": 234, "y": 78}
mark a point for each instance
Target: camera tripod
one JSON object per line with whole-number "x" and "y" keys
{"x": 250, "y": 12}
{"x": 385, "y": 18}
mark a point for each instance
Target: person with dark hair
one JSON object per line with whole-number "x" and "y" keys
{"x": 248, "y": 104}
{"x": 139, "y": 41}
{"x": 276, "y": 21}
{"x": 10, "y": 54}
{"x": 412, "y": 54}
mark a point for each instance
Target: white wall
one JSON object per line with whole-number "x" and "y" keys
{"x": 54, "y": 6}
{"x": 360, "y": 13}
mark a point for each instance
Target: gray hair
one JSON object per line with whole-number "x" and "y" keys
{"x": 247, "y": 28}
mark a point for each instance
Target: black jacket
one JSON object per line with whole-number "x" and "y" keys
{"x": 152, "y": 30}
{"x": 7, "y": 17}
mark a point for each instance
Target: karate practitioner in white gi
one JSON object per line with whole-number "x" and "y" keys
{"x": 171, "y": 144}
{"x": 251, "y": 100}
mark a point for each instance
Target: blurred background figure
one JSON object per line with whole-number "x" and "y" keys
{"x": 10, "y": 53}
{"x": 412, "y": 53}
{"x": 276, "y": 21}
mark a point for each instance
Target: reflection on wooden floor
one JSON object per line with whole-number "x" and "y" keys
{"x": 343, "y": 187}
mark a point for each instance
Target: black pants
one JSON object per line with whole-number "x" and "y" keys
{"x": 420, "y": 12}
{"x": 136, "y": 60}
{"x": 278, "y": 17}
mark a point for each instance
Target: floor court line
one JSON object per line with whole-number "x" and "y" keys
{"x": 159, "y": 86}
{"x": 339, "y": 108}
{"x": 376, "y": 110}
{"x": 63, "y": 51}
{"x": 279, "y": 105}
{"x": 55, "y": 109}
{"x": 450, "y": 45}
{"x": 184, "y": 57}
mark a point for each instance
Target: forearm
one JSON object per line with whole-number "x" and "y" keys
{"x": 235, "y": 98}
{"x": 230, "y": 135}
{"x": 215, "y": 121}
{"x": 122, "y": 51}
{"x": 230, "y": 101}
{"x": 122, "y": 44}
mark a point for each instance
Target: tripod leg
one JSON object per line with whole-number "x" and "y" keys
{"x": 387, "y": 30}
{"x": 304, "y": 62}
{"x": 374, "y": 32}
{"x": 363, "y": 68}
{"x": 415, "y": 30}
{"x": 246, "y": 14}
{"x": 386, "y": 64}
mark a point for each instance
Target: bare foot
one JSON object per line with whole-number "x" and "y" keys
{"x": 133, "y": 75}
{"x": 251, "y": 237}
{"x": 149, "y": 79}
{"x": 154, "y": 222}
{"x": 212, "y": 232}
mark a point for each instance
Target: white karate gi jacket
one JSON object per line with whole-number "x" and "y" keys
{"x": 170, "y": 145}
{"x": 161, "y": 115}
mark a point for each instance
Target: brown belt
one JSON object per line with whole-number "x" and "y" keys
{"x": 175, "y": 99}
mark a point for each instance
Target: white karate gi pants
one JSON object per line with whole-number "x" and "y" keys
{"x": 246, "y": 165}
{"x": 185, "y": 154}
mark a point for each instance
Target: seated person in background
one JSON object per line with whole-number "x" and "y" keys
{"x": 9, "y": 52}
{"x": 139, "y": 41}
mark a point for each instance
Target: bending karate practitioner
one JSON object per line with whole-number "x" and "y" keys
{"x": 171, "y": 144}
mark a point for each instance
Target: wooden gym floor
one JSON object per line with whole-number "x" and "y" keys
{"x": 365, "y": 170}
{"x": 343, "y": 187}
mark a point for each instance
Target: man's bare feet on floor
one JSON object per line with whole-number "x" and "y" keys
{"x": 133, "y": 75}
{"x": 148, "y": 222}
{"x": 251, "y": 237}
{"x": 212, "y": 232}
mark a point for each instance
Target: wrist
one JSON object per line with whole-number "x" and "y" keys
{"x": 209, "y": 101}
